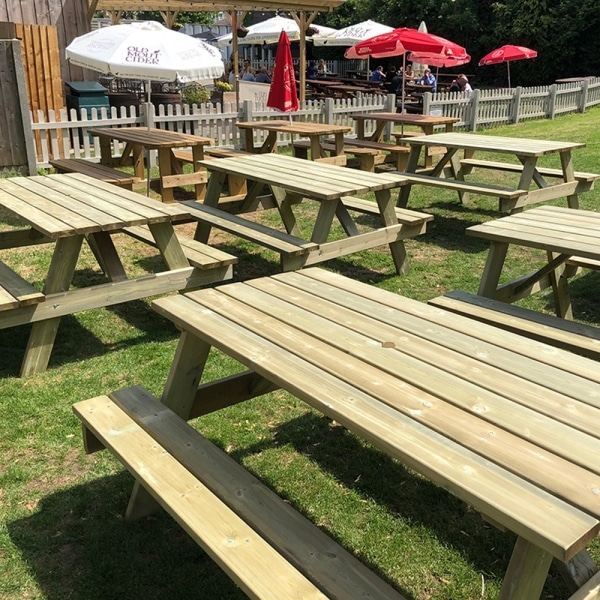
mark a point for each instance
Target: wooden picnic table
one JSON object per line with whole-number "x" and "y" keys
{"x": 506, "y": 424}
{"x": 527, "y": 151}
{"x": 427, "y": 123}
{"x": 290, "y": 181}
{"x": 563, "y": 233}
{"x": 140, "y": 140}
{"x": 65, "y": 210}
{"x": 316, "y": 132}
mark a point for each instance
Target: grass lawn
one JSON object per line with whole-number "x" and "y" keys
{"x": 62, "y": 534}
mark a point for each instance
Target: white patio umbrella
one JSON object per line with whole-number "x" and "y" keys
{"x": 348, "y": 36}
{"x": 267, "y": 32}
{"x": 419, "y": 67}
{"x": 146, "y": 50}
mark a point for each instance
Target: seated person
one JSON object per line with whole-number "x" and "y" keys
{"x": 262, "y": 76}
{"x": 396, "y": 84}
{"x": 378, "y": 74}
{"x": 464, "y": 84}
{"x": 408, "y": 72}
{"x": 312, "y": 71}
{"x": 461, "y": 84}
{"x": 454, "y": 86}
{"x": 427, "y": 79}
{"x": 321, "y": 68}
{"x": 248, "y": 75}
{"x": 389, "y": 75}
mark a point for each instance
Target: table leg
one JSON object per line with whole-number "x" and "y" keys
{"x": 213, "y": 193}
{"x": 43, "y": 333}
{"x": 388, "y": 216}
{"x": 106, "y": 157}
{"x": 411, "y": 167}
{"x": 569, "y": 175}
{"x": 493, "y": 268}
{"x": 164, "y": 168}
{"x": 526, "y": 573}
{"x": 168, "y": 245}
{"x": 104, "y": 250}
{"x": 560, "y": 290}
{"x": 137, "y": 151}
{"x": 323, "y": 221}
{"x": 284, "y": 202}
{"x": 316, "y": 151}
{"x": 197, "y": 155}
{"x": 179, "y": 395}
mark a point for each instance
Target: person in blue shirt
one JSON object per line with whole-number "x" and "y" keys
{"x": 378, "y": 74}
{"x": 427, "y": 79}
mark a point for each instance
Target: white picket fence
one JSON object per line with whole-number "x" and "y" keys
{"x": 65, "y": 134}
{"x": 483, "y": 108}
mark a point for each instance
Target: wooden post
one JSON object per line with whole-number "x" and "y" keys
{"x": 516, "y": 104}
{"x": 474, "y": 110}
{"x": 585, "y": 84}
{"x": 17, "y": 146}
{"x": 552, "y": 101}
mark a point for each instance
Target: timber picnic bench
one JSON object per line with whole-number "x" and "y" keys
{"x": 288, "y": 181}
{"x": 139, "y": 140}
{"x": 64, "y": 210}
{"x": 569, "y": 237}
{"x": 507, "y": 424}
{"x": 451, "y": 170}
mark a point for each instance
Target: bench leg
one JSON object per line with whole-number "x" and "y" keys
{"x": 526, "y": 573}
{"x": 179, "y": 395}
{"x": 43, "y": 333}
{"x": 578, "y": 571}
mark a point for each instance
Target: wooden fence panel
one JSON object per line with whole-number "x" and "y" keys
{"x": 17, "y": 150}
{"x": 41, "y": 57}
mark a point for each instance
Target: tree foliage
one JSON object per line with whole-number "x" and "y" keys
{"x": 565, "y": 34}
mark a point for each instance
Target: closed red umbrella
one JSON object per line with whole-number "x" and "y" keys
{"x": 506, "y": 54}
{"x": 283, "y": 95}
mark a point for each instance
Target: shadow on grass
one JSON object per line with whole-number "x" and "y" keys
{"x": 374, "y": 475}
{"x": 75, "y": 342}
{"x": 77, "y": 546}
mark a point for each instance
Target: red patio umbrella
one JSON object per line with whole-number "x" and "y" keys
{"x": 506, "y": 54}
{"x": 402, "y": 40}
{"x": 439, "y": 60}
{"x": 283, "y": 95}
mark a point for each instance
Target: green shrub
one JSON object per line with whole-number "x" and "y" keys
{"x": 195, "y": 94}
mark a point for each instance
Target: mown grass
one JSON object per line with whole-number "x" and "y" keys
{"x": 61, "y": 528}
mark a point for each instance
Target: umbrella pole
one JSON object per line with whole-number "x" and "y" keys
{"x": 508, "y": 69}
{"x": 148, "y": 108}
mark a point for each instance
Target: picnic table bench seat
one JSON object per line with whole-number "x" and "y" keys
{"x": 16, "y": 291}
{"x": 366, "y": 157}
{"x": 517, "y": 168}
{"x": 397, "y": 155}
{"x": 576, "y": 337}
{"x": 268, "y": 548}
{"x": 508, "y": 198}
{"x": 200, "y": 255}
{"x": 95, "y": 170}
{"x": 209, "y": 152}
